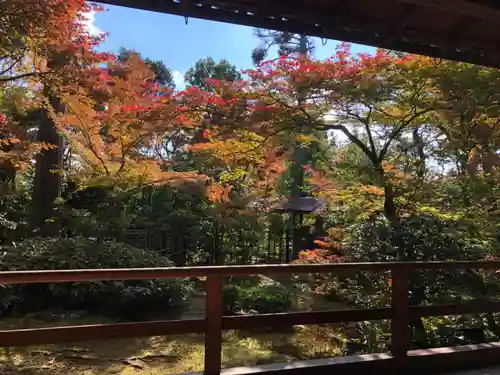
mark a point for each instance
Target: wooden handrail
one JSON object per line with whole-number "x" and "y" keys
{"x": 400, "y": 312}
{"x": 59, "y": 276}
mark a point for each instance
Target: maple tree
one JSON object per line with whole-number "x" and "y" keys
{"x": 300, "y": 46}
{"x": 380, "y": 94}
{"x": 45, "y": 47}
{"x": 403, "y": 148}
{"x": 465, "y": 128}
{"x": 202, "y": 69}
{"x": 17, "y": 144}
{"x": 110, "y": 111}
{"x": 34, "y": 31}
{"x": 115, "y": 127}
{"x": 43, "y": 36}
{"x": 163, "y": 75}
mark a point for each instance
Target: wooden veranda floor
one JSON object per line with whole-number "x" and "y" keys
{"x": 486, "y": 371}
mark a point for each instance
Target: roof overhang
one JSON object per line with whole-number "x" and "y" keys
{"x": 464, "y": 30}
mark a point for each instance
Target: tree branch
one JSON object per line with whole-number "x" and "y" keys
{"x": 369, "y": 132}
{"x": 25, "y": 75}
{"x": 89, "y": 140}
{"x": 398, "y": 131}
{"x": 11, "y": 65}
{"x": 372, "y": 156}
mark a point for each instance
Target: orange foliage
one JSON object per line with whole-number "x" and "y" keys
{"x": 267, "y": 109}
{"x": 320, "y": 256}
{"x": 112, "y": 114}
{"x": 318, "y": 180}
{"x": 266, "y": 118}
{"x": 43, "y": 42}
{"x": 216, "y": 193}
{"x": 117, "y": 124}
{"x": 373, "y": 190}
{"x": 16, "y": 147}
{"x": 330, "y": 249}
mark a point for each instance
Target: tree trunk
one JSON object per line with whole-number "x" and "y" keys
{"x": 7, "y": 176}
{"x": 419, "y": 149}
{"x": 47, "y": 184}
{"x": 299, "y": 153}
{"x": 390, "y": 210}
{"x": 299, "y": 159}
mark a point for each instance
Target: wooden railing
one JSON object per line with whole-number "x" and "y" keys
{"x": 400, "y": 312}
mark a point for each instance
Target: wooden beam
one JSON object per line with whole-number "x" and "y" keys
{"x": 472, "y": 307}
{"x": 462, "y": 7}
{"x": 55, "y": 335}
{"x": 383, "y": 31}
{"x": 338, "y": 10}
{"x": 400, "y": 314}
{"x": 402, "y": 19}
{"x": 457, "y": 32}
{"x": 361, "y": 32}
{"x": 304, "y": 318}
{"x": 59, "y": 276}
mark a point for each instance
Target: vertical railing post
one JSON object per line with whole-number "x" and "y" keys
{"x": 400, "y": 323}
{"x": 213, "y": 325}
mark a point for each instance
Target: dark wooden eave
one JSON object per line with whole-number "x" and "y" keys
{"x": 464, "y": 30}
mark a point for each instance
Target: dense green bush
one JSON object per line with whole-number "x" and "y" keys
{"x": 423, "y": 237}
{"x": 250, "y": 296}
{"x": 127, "y": 299}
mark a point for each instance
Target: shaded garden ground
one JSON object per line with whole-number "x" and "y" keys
{"x": 176, "y": 353}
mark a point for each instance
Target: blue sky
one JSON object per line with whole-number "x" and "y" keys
{"x": 168, "y": 38}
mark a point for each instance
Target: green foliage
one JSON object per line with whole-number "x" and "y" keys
{"x": 372, "y": 338}
{"x": 195, "y": 230}
{"x": 419, "y": 238}
{"x": 286, "y": 43}
{"x": 127, "y": 299}
{"x": 415, "y": 177}
{"x": 163, "y": 74}
{"x": 208, "y": 68}
{"x": 253, "y": 297}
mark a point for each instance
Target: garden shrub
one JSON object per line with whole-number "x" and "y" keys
{"x": 423, "y": 237}
{"x": 121, "y": 299}
{"x": 256, "y": 298}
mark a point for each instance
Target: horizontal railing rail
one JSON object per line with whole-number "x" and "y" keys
{"x": 59, "y": 276}
{"x": 400, "y": 312}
